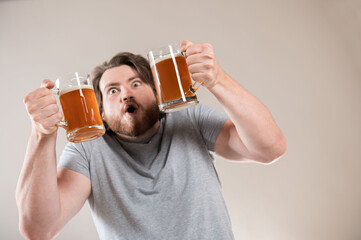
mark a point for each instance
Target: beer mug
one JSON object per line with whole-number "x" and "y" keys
{"x": 175, "y": 90}
{"x": 82, "y": 120}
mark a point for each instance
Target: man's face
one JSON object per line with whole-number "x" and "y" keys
{"x": 129, "y": 104}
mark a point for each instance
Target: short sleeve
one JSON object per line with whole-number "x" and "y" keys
{"x": 209, "y": 121}
{"x": 74, "y": 157}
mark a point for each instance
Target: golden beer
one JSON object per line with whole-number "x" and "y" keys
{"x": 81, "y": 113}
{"x": 173, "y": 83}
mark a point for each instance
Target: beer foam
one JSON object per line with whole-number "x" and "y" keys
{"x": 75, "y": 88}
{"x": 164, "y": 57}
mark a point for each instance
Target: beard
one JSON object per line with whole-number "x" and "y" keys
{"x": 137, "y": 125}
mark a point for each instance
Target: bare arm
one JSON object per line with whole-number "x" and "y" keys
{"x": 251, "y": 132}
{"x": 46, "y": 199}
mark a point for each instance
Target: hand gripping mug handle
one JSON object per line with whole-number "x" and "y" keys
{"x": 195, "y": 86}
{"x": 62, "y": 123}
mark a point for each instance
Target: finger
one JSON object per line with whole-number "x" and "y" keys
{"x": 199, "y": 49}
{"x": 52, "y": 111}
{"x": 202, "y": 77}
{"x": 37, "y": 94}
{"x": 49, "y": 124}
{"x": 200, "y": 58}
{"x": 42, "y": 104}
{"x": 185, "y": 45}
{"x": 201, "y": 67}
{"x": 46, "y": 83}
{"x": 47, "y": 112}
{"x": 204, "y": 72}
{"x": 44, "y": 90}
{"x": 42, "y": 117}
{"x": 39, "y": 102}
{"x": 54, "y": 119}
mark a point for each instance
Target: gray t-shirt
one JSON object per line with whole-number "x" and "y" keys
{"x": 163, "y": 187}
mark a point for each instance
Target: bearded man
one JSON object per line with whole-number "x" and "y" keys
{"x": 151, "y": 176}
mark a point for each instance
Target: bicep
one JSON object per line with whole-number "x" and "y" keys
{"x": 74, "y": 190}
{"x": 228, "y": 143}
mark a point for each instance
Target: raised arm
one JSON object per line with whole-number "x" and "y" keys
{"x": 251, "y": 132}
{"x": 46, "y": 198}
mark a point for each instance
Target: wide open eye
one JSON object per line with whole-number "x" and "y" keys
{"x": 136, "y": 84}
{"x": 112, "y": 91}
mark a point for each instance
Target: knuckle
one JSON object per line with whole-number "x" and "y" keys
{"x": 26, "y": 99}
{"x": 207, "y": 46}
{"x": 31, "y": 109}
{"x": 53, "y": 99}
{"x": 54, "y": 108}
{"x": 46, "y": 91}
{"x": 208, "y": 65}
{"x": 36, "y": 118}
{"x": 43, "y": 92}
{"x": 43, "y": 125}
{"x": 48, "y": 123}
{"x": 59, "y": 116}
{"x": 210, "y": 55}
{"x": 208, "y": 76}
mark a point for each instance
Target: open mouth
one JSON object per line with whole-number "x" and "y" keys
{"x": 130, "y": 107}
{"x": 131, "y": 110}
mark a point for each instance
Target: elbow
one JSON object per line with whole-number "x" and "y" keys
{"x": 273, "y": 152}
{"x": 32, "y": 226}
{"x": 29, "y": 231}
{"x": 26, "y": 231}
{"x": 276, "y": 151}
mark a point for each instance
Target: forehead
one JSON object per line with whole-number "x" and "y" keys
{"x": 117, "y": 75}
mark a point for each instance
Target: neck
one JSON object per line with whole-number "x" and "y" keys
{"x": 149, "y": 132}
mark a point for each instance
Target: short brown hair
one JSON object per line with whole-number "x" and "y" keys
{"x": 137, "y": 62}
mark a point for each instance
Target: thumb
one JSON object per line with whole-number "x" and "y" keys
{"x": 185, "y": 45}
{"x": 46, "y": 83}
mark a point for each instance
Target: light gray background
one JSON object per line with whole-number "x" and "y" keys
{"x": 301, "y": 58}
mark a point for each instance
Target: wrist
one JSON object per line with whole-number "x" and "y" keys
{"x": 41, "y": 135}
{"x": 219, "y": 79}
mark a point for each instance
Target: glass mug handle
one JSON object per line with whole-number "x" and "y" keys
{"x": 194, "y": 87}
{"x": 62, "y": 123}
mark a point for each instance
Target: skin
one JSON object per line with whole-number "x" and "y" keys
{"x": 251, "y": 132}
{"x": 121, "y": 87}
{"x": 48, "y": 197}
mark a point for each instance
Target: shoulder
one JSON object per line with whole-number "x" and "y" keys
{"x": 192, "y": 112}
{"x": 204, "y": 113}
{"x": 85, "y": 149}
{"x": 199, "y": 116}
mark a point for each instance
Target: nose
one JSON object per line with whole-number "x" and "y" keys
{"x": 127, "y": 98}
{"x": 127, "y": 94}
